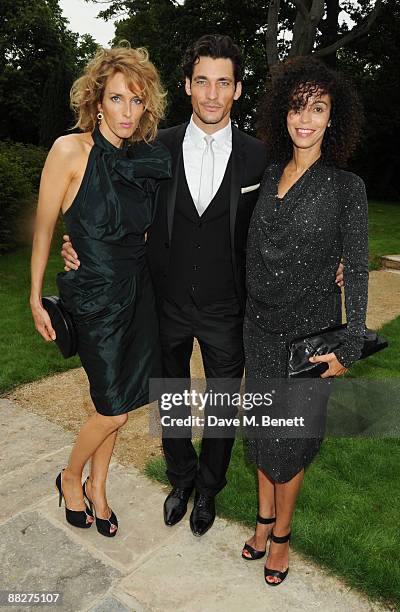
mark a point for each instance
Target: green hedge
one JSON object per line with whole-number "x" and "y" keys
{"x": 20, "y": 169}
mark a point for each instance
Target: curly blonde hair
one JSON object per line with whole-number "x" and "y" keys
{"x": 141, "y": 76}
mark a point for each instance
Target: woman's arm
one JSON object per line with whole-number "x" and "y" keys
{"x": 56, "y": 177}
{"x": 354, "y": 227}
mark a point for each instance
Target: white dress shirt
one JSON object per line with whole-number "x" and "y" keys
{"x": 193, "y": 147}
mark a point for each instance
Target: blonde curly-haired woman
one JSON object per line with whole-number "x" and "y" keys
{"x": 104, "y": 181}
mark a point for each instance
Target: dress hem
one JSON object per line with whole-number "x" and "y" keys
{"x": 304, "y": 467}
{"x": 142, "y": 400}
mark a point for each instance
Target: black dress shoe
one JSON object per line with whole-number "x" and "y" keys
{"x": 203, "y": 514}
{"x": 175, "y": 506}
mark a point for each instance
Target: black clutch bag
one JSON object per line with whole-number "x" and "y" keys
{"x": 320, "y": 343}
{"x": 66, "y": 338}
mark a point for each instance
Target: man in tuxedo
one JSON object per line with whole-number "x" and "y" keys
{"x": 196, "y": 254}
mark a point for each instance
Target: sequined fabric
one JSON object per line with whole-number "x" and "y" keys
{"x": 294, "y": 247}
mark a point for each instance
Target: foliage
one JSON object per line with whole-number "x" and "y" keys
{"x": 166, "y": 28}
{"x": 39, "y": 58}
{"x": 374, "y": 63}
{"x": 14, "y": 189}
{"x": 30, "y": 157}
{"x": 20, "y": 168}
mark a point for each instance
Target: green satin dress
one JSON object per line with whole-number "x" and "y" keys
{"x": 110, "y": 296}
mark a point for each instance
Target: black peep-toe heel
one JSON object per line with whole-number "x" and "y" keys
{"x": 257, "y": 554}
{"x": 277, "y": 573}
{"x": 77, "y": 518}
{"x": 106, "y": 527}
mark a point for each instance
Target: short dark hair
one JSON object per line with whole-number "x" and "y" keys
{"x": 215, "y": 46}
{"x": 291, "y": 84}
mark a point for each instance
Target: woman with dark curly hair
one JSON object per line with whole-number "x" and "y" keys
{"x": 309, "y": 215}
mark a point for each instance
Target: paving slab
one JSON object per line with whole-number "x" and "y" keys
{"x": 207, "y": 574}
{"x": 37, "y": 556}
{"x": 147, "y": 567}
{"x": 26, "y": 437}
{"x": 138, "y": 503}
{"x": 119, "y": 602}
{"x": 111, "y": 604}
{"x": 391, "y": 261}
{"x": 31, "y": 484}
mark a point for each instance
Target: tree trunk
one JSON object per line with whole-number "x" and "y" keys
{"x": 300, "y": 26}
{"x": 357, "y": 32}
{"x": 309, "y": 15}
{"x": 329, "y": 29}
{"x": 272, "y": 33}
{"x": 316, "y": 13}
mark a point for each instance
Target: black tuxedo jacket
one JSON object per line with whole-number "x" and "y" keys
{"x": 248, "y": 164}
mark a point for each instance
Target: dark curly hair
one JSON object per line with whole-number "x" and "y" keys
{"x": 290, "y": 86}
{"x": 215, "y": 46}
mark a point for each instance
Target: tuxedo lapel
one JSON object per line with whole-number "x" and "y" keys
{"x": 176, "y": 154}
{"x": 238, "y": 161}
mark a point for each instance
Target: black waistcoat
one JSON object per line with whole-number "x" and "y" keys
{"x": 200, "y": 267}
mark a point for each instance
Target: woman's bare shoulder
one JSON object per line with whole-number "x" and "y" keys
{"x": 72, "y": 146}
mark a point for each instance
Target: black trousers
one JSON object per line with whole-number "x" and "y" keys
{"x": 218, "y": 328}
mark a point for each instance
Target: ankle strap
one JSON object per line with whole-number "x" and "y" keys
{"x": 280, "y": 539}
{"x": 265, "y": 521}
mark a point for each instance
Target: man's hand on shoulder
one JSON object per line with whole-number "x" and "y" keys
{"x": 69, "y": 255}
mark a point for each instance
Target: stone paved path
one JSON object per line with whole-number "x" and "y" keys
{"x": 147, "y": 566}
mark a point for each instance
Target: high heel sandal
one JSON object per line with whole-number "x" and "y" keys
{"x": 77, "y": 518}
{"x": 254, "y": 553}
{"x": 106, "y": 527}
{"x": 277, "y": 573}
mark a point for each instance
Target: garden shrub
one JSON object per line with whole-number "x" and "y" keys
{"x": 20, "y": 169}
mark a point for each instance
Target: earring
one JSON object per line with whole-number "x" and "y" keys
{"x": 99, "y": 116}
{"x": 329, "y": 124}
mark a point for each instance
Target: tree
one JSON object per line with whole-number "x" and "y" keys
{"x": 270, "y": 30}
{"x": 265, "y": 30}
{"x": 309, "y": 22}
{"x": 374, "y": 63}
{"x": 56, "y": 115}
{"x": 166, "y": 28}
{"x": 39, "y": 58}
{"x": 85, "y": 49}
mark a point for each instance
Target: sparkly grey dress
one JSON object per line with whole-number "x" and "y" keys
{"x": 294, "y": 247}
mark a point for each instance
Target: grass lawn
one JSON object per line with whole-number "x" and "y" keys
{"x": 384, "y": 231}
{"x": 24, "y": 355}
{"x": 347, "y": 517}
